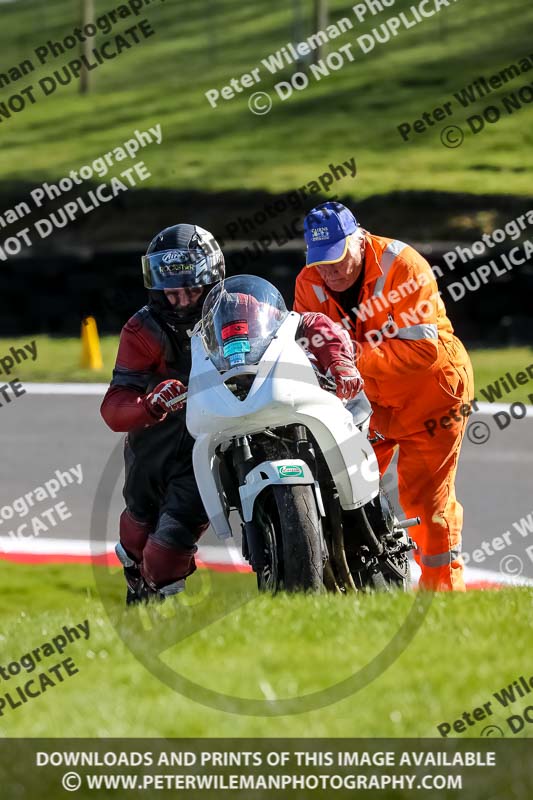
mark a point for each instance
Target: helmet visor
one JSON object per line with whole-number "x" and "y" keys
{"x": 174, "y": 269}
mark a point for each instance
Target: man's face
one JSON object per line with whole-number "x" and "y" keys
{"x": 342, "y": 274}
{"x": 183, "y": 298}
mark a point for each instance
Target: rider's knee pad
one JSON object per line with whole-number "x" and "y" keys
{"x": 133, "y": 535}
{"x": 173, "y": 533}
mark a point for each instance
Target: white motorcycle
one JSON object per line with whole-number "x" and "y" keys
{"x": 272, "y": 443}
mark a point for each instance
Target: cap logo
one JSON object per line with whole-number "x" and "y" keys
{"x": 320, "y": 234}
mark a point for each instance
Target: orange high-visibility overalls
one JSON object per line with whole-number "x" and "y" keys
{"x": 415, "y": 369}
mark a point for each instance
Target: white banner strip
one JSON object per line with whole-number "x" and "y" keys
{"x": 101, "y": 388}
{"x": 209, "y": 554}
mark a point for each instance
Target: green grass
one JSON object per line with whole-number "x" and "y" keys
{"x": 468, "y": 647}
{"x": 353, "y": 112}
{"x": 489, "y": 365}
{"x": 59, "y": 360}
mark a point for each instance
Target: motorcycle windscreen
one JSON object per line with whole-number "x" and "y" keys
{"x": 240, "y": 317}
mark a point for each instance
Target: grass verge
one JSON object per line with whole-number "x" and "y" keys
{"x": 467, "y": 647}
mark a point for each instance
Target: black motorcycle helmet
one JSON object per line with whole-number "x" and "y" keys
{"x": 180, "y": 257}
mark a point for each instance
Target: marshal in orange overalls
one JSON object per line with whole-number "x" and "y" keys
{"x": 415, "y": 369}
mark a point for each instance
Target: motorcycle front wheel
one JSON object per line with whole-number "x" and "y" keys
{"x": 288, "y": 519}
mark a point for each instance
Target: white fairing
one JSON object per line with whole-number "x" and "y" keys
{"x": 285, "y": 391}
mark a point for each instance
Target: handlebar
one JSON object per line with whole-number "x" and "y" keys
{"x": 326, "y": 382}
{"x": 180, "y": 399}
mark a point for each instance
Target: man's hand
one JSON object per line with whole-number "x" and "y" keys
{"x": 162, "y": 399}
{"x": 348, "y": 379}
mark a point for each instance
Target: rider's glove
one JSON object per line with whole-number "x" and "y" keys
{"x": 162, "y": 399}
{"x": 348, "y": 379}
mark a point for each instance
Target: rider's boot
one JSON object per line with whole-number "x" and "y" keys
{"x": 132, "y": 540}
{"x": 132, "y": 574}
{"x": 139, "y": 589}
{"x": 148, "y": 593}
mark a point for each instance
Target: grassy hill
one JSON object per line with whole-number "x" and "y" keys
{"x": 352, "y": 113}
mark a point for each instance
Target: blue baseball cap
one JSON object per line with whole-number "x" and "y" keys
{"x": 326, "y": 231}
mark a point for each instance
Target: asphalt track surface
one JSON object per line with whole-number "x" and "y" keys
{"x": 42, "y": 433}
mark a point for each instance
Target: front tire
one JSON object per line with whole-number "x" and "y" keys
{"x": 289, "y": 520}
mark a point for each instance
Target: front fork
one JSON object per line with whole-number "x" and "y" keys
{"x": 252, "y": 541}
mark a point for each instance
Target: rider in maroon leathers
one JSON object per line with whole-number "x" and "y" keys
{"x": 164, "y": 516}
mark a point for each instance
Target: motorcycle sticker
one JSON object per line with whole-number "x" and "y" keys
{"x": 236, "y": 344}
{"x": 291, "y": 471}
